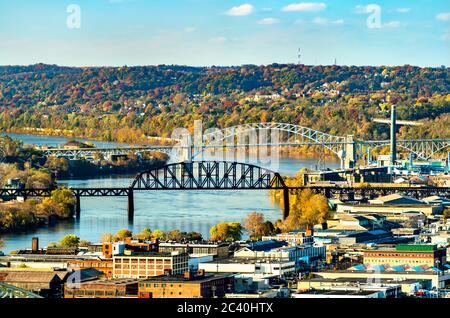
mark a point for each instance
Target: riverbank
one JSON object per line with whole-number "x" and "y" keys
{"x": 83, "y": 169}
{"x": 70, "y": 134}
{"x": 16, "y": 216}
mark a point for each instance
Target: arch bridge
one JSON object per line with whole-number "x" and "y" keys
{"x": 347, "y": 148}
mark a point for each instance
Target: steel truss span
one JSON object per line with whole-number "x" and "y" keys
{"x": 209, "y": 175}
{"x": 331, "y": 142}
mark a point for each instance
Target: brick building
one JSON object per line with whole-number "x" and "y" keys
{"x": 106, "y": 288}
{"x": 103, "y": 265}
{"x": 189, "y": 285}
{"x": 406, "y": 254}
{"x": 144, "y": 265}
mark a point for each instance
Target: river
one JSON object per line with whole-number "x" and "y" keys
{"x": 165, "y": 210}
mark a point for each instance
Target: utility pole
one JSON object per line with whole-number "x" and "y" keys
{"x": 393, "y": 135}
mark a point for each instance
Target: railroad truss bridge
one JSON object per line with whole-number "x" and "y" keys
{"x": 221, "y": 176}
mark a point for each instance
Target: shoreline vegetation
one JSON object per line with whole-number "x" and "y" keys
{"x": 17, "y": 216}
{"x": 309, "y": 210}
{"x": 24, "y": 167}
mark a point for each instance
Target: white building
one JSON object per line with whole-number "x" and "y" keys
{"x": 255, "y": 268}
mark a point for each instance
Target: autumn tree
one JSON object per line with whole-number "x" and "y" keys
{"x": 226, "y": 231}
{"x": 107, "y": 238}
{"x": 306, "y": 210}
{"x": 65, "y": 199}
{"x": 253, "y": 224}
{"x": 158, "y": 234}
{"x": 446, "y": 214}
{"x": 122, "y": 234}
{"x": 145, "y": 234}
{"x": 174, "y": 235}
{"x": 84, "y": 243}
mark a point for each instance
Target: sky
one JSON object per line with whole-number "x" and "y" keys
{"x": 224, "y": 32}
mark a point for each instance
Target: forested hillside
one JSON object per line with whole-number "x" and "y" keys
{"x": 128, "y": 103}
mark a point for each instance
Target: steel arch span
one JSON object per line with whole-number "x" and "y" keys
{"x": 334, "y": 143}
{"x": 208, "y": 175}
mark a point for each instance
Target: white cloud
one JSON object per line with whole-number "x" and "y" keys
{"x": 446, "y": 37}
{"x": 305, "y": 7}
{"x": 392, "y": 25}
{"x": 323, "y": 21}
{"x": 403, "y": 10}
{"x": 241, "y": 10}
{"x": 218, "y": 40}
{"x": 268, "y": 21}
{"x": 190, "y": 29}
{"x": 444, "y": 16}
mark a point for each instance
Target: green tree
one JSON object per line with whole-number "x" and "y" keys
{"x": 226, "y": 231}
{"x": 2, "y": 243}
{"x": 194, "y": 236}
{"x": 70, "y": 240}
{"x": 66, "y": 200}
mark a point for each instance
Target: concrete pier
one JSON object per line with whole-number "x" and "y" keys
{"x": 286, "y": 203}
{"x": 130, "y": 205}
{"x": 78, "y": 206}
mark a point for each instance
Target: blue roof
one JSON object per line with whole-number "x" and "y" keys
{"x": 377, "y": 268}
{"x": 397, "y": 268}
{"x": 447, "y": 265}
{"x": 266, "y": 245}
{"x": 359, "y": 267}
{"x": 417, "y": 268}
{"x": 435, "y": 269}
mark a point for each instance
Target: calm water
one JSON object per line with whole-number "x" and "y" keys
{"x": 165, "y": 210}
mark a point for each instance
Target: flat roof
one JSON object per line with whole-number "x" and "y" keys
{"x": 378, "y": 272}
{"x": 114, "y": 281}
{"x": 338, "y": 292}
{"x": 245, "y": 260}
{"x": 150, "y": 254}
{"x": 361, "y": 280}
{"x": 181, "y": 278}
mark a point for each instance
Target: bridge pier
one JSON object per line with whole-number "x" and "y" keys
{"x": 78, "y": 206}
{"x": 349, "y": 159}
{"x": 286, "y": 207}
{"x": 130, "y": 205}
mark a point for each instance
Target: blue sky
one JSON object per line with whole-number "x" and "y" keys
{"x": 224, "y": 32}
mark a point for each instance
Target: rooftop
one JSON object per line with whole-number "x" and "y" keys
{"x": 182, "y": 278}
{"x": 243, "y": 260}
{"x": 338, "y": 292}
{"x": 150, "y": 254}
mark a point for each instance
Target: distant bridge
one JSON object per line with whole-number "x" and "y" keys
{"x": 214, "y": 176}
{"x": 347, "y": 148}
